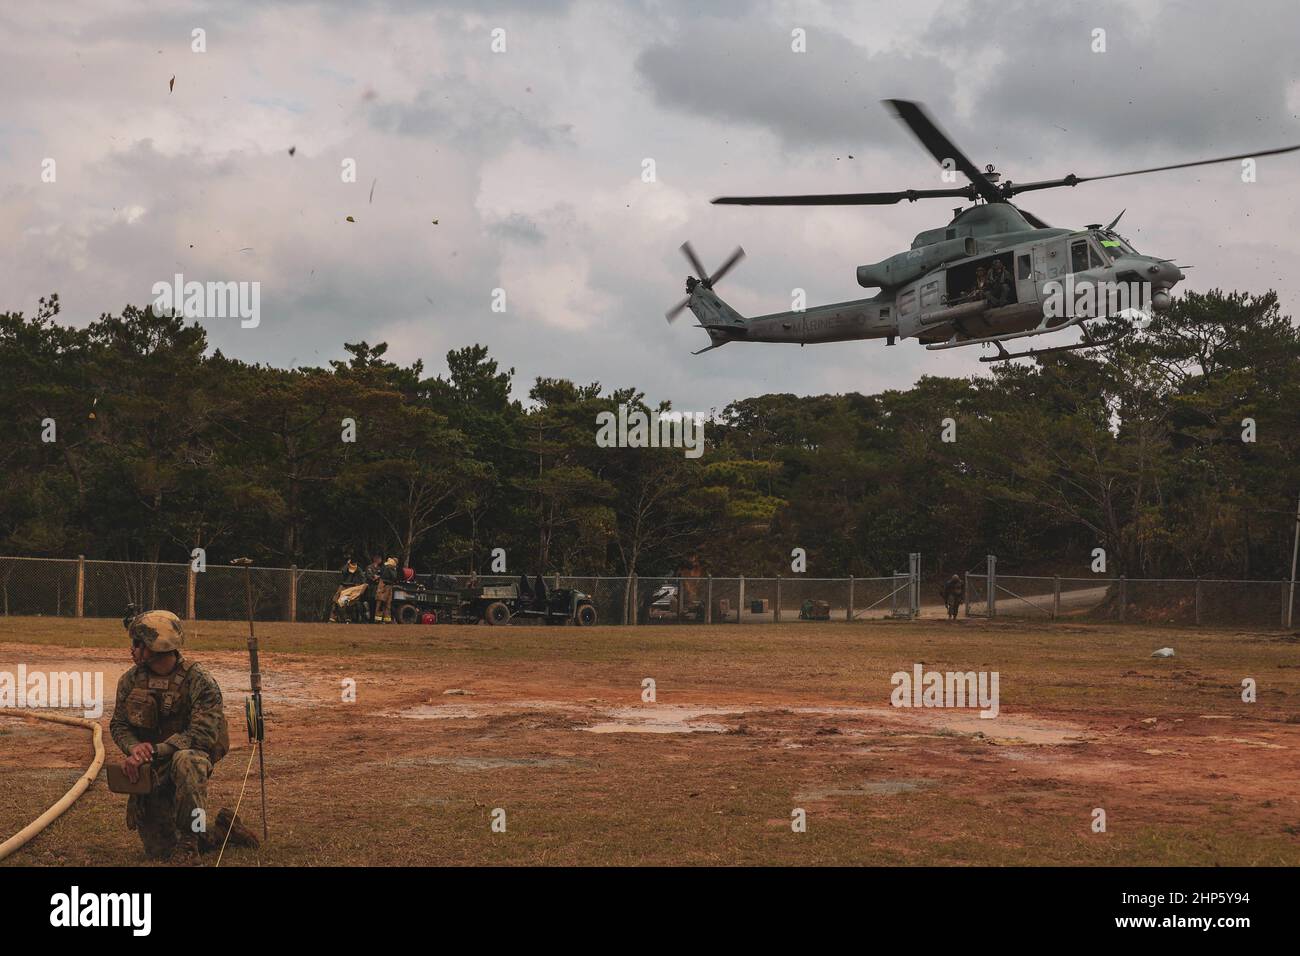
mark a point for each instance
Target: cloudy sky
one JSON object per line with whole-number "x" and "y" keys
{"x": 531, "y": 162}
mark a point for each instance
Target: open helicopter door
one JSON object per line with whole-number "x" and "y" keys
{"x": 1026, "y": 286}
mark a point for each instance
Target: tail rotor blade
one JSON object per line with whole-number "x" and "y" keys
{"x": 689, "y": 252}
{"x": 671, "y": 314}
{"x": 725, "y": 267}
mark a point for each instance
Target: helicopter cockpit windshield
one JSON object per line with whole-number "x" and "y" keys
{"x": 1113, "y": 245}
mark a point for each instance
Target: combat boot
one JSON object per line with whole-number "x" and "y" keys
{"x": 240, "y": 835}
{"x": 186, "y": 852}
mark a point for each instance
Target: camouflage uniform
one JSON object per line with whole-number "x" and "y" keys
{"x": 999, "y": 289}
{"x": 181, "y": 713}
{"x": 384, "y": 591}
{"x": 954, "y": 590}
{"x": 372, "y": 574}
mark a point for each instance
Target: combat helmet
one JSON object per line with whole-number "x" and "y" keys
{"x": 160, "y": 631}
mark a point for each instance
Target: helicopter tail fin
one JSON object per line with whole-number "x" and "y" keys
{"x": 723, "y": 323}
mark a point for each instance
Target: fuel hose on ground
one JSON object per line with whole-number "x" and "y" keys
{"x": 49, "y": 816}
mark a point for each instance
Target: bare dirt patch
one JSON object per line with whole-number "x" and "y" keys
{"x": 750, "y": 722}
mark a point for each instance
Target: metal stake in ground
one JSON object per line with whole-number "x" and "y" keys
{"x": 253, "y": 704}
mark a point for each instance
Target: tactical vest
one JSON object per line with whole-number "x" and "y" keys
{"x": 154, "y": 707}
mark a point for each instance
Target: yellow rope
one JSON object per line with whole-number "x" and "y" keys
{"x": 251, "y": 755}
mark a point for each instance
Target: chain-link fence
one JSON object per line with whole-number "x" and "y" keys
{"x": 84, "y": 588}
{"x": 1182, "y": 601}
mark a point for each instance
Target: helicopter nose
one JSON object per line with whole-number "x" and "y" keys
{"x": 1161, "y": 276}
{"x": 1163, "y": 273}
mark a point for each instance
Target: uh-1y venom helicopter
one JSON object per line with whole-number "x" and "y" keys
{"x": 928, "y": 293}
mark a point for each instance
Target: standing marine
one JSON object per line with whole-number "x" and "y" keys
{"x": 954, "y": 591}
{"x": 169, "y": 722}
{"x": 999, "y": 290}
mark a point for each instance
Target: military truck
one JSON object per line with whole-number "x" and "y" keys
{"x": 436, "y": 594}
{"x": 501, "y": 604}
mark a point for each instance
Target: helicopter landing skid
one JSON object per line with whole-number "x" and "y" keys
{"x": 1005, "y": 356}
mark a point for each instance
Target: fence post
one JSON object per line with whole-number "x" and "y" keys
{"x": 740, "y": 609}
{"x": 191, "y": 586}
{"x": 1056, "y": 596}
{"x": 681, "y": 599}
{"x": 992, "y": 584}
{"x": 776, "y": 608}
{"x": 1197, "y": 603}
{"x": 914, "y": 562}
{"x": 1295, "y": 554}
{"x": 81, "y": 585}
{"x": 965, "y": 590}
{"x": 849, "y": 617}
{"x": 634, "y": 599}
{"x": 1123, "y": 596}
{"x": 293, "y": 593}
{"x": 708, "y": 601}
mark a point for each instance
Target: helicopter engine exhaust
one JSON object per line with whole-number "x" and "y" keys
{"x": 906, "y": 266}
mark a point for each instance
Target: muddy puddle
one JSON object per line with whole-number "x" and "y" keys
{"x": 663, "y": 719}
{"x": 845, "y": 721}
{"x": 277, "y": 687}
{"x": 1024, "y": 730}
{"x": 475, "y": 711}
{"x": 482, "y": 763}
{"x": 1247, "y": 741}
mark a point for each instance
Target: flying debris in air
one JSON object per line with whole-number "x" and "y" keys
{"x": 350, "y": 219}
{"x": 372, "y": 190}
{"x": 171, "y": 84}
{"x": 292, "y": 150}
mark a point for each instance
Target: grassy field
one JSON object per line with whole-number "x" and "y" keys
{"x": 749, "y": 723}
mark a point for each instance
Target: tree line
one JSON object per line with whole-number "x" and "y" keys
{"x": 1173, "y": 448}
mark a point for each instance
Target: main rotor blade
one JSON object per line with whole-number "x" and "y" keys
{"x": 1073, "y": 180}
{"x": 723, "y": 269}
{"x": 689, "y": 252}
{"x": 846, "y": 199}
{"x": 941, "y": 147}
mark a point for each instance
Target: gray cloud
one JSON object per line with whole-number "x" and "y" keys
{"x": 1182, "y": 77}
{"x": 827, "y": 95}
{"x": 453, "y": 111}
{"x": 517, "y": 228}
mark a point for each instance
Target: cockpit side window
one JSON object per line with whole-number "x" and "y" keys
{"x": 1079, "y": 255}
{"x": 1097, "y": 260}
